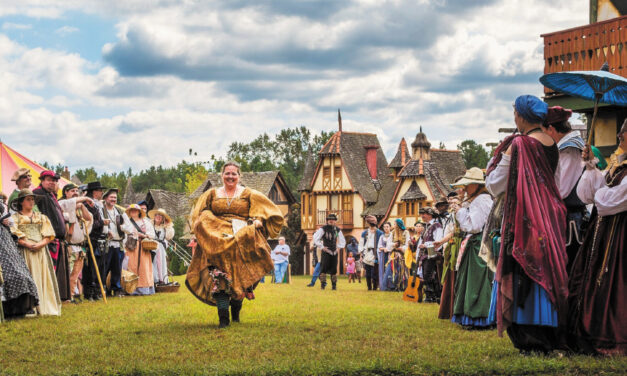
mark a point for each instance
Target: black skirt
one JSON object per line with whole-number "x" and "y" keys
{"x": 328, "y": 264}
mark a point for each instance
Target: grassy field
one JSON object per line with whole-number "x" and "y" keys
{"x": 288, "y": 330}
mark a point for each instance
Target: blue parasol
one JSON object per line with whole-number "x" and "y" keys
{"x": 598, "y": 86}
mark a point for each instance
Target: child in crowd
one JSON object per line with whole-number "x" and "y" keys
{"x": 350, "y": 267}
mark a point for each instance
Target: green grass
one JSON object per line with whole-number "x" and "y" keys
{"x": 288, "y": 329}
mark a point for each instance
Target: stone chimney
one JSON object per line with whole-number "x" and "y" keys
{"x": 371, "y": 160}
{"x": 66, "y": 173}
{"x": 421, "y": 147}
{"x": 339, "y": 120}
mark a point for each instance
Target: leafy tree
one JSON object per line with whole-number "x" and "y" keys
{"x": 474, "y": 155}
{"x": 442, "y": 146}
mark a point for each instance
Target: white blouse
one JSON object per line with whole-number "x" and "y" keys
{"x": 569, "y": 169}
{"x": 592, "y": 189}
{"x": 472, "y": 217}
{"x": 496, "y": 182}
{"x": 129, "y": 229}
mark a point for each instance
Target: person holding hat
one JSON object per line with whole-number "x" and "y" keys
{"x": 23, "y": 180}
{"x": 139, "y": 260}
{"x": 430, "y": 256}
{"x": 368, "y": 246}
{"x": 164, "y": 231}
{"x": 531, "y": 272}
{"x": 75, "y": 209}
{"x": 34, "y": 231}
{"x": 113, "y": 217}
{"x": 329, "y": 239}
{"x": 473, "y": 282}
{"x": 49, "y": 205}
{"x": 231, "y": 224}
{"x": 18, "y": 292}
{"x": 98, "y": 239}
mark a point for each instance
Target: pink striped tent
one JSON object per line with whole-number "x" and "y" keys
{"x": 10, "y": 161}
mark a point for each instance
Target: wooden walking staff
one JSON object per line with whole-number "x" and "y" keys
{"x": 93, "y": 259}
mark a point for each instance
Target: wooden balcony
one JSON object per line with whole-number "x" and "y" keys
{"x": 344, "y": 218}
{"x": 587, "y": 48}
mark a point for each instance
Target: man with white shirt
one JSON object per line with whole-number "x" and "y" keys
{"x": 280, "y": 257}
{"x": 113, "y": 219}
{"x": 330, "y": 239}
{"x": 430, "y": 256}
{"x": 79, "y": 222}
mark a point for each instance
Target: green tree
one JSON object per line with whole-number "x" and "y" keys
{"x": 474, "y": 154}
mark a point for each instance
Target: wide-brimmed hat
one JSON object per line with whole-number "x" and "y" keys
{"x": 442, "y": 201}
{"x": 160, "y": 211}
{"x": 427, "y": 210}
{"x": 331, "y": 217}
{"x": 21, "y": 196}
{"x": 472, "y": 176}
{"x": 109, "y": 191}
{"x": 49, "y": 173}
{"x": 134, "y": 207}
{"x": 19, "y": 173}
{"x": 94, "y": 186}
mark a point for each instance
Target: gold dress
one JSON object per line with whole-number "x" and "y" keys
{"x": 36, "y": 228}
{"x": 228, "y": 262}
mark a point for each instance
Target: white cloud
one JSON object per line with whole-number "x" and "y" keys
{"x": 66, "y": 30}
{"x": 15, "y": 26}
{"x": 204, "y": 76}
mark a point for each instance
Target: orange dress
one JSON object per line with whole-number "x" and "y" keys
{"x": 224, "y": 260}
{"x": 140, "y": 261}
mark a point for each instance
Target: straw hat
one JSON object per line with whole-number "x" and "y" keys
{"x": 160, "y": 211}
{"x": 472, "y": 176}
{"x": 134, "y": 207}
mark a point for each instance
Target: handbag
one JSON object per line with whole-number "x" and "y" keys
{"x": 369, "y": 257}
{"x": 130, "y": 243}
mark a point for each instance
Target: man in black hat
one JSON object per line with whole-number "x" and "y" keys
{"x": 330, "y": 239}
{"x": 49, "y": 206}
{"x": 91, "y": 287}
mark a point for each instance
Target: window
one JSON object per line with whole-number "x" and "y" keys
{"x": 400, "y": 210}
{"x": 326, "y": 172}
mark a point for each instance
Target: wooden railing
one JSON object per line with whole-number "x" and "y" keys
{"x": 587, "y": 48}
{"x": 344, "y": 217}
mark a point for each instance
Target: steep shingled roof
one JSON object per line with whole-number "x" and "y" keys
{"x": 308, "y": 173}
{"x": 130, "y": 197}
{"x": 402, "y": 155}
{"x": 450, "y": 164}
{"x": 413, "y": 193}
{"x": 175, "y": 204}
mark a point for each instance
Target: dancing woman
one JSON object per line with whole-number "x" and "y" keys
{"x": 231, "y": 224}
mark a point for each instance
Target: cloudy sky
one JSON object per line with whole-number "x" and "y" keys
{"x": 138, "y": 82}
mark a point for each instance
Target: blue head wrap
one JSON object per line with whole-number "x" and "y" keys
{"x": 531, "y": 108}
{"x": 400, "y": 224}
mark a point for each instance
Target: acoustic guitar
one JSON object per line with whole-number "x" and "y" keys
{"x": 413, "y": 292}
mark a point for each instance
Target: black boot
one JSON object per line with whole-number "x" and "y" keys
{"x": 369, "y": 283}
{"x": 236, "y": 307}
{"x": 334, "y": 286}
{"x": 223, "y": 314}
{"x": 323, "y": 285}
